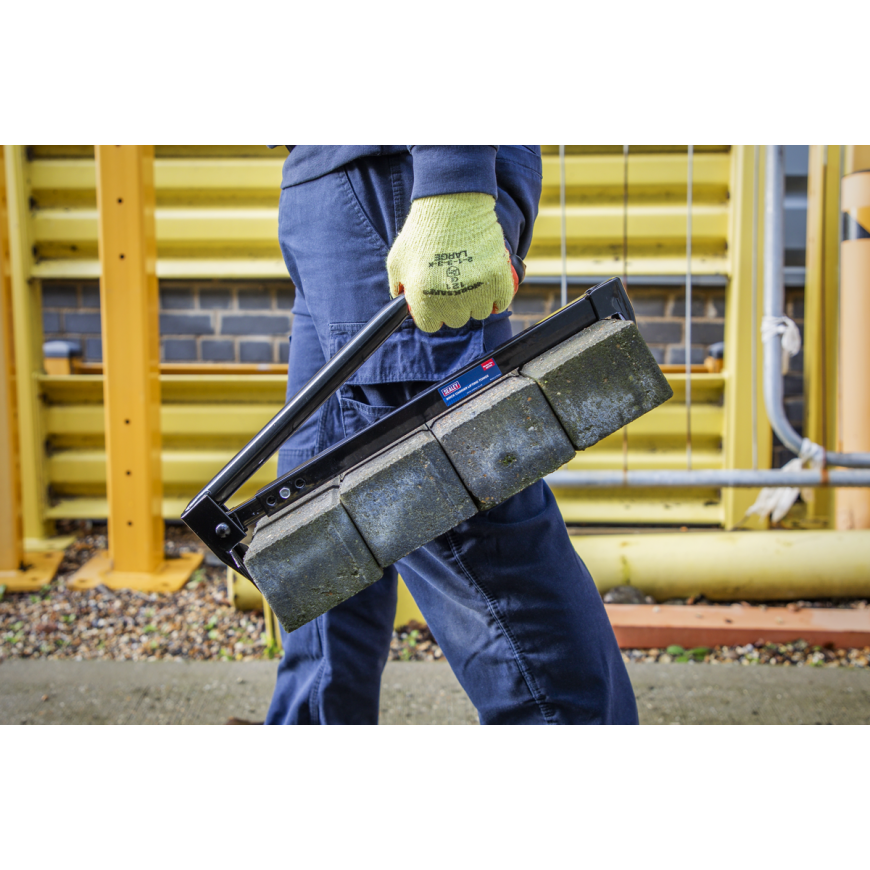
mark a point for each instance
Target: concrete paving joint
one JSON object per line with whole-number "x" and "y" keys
{"x": 405, "y": 497}
{"x": 503, "y": 439}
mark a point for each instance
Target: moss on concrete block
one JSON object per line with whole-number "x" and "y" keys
{"x": 600, "y": 380}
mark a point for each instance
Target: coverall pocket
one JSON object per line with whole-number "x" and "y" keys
{"x": 408, "y": 362}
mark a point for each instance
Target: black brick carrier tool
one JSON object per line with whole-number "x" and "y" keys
{"x": 329, "y": 527}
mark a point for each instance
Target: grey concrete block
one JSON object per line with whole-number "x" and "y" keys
{"x": 94, "y": 350}
{"x": 50, "y": 321}
{"x": 502, "y": 440}
{"x": 59, "y": 296}
{"x": 648, "y": 304}
{"x": 255, "y": 324}
{"x": 215, "y": 298}
{"x": 677, "y": 355}
{"x": 173, "y": 296}
{"x": 215, "y": 350}
{"x": 285, "y": 297}
{"x": 599, "y": 380}
{"x": 310, "y": 557}
{"x": 186, "y": 324}
{"x": 90, "y": 296}
{"x": 75, "y": 322}
{"x": 707, "y": 332}
{"x": 179, "y": 349}
{"x": 661, "y": 331}
{"x": 405, "y": 497}
{"x": 255, "y": 298}
{"x": 699, "y": 306}
{"x": 255, "y": 352}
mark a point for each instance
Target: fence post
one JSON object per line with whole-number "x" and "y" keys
{"x": 131, "y": 380}
{"x": 737, "y": 436}
{"x": 821, "y": 313}
{"x": 19, "y": 571}
{"x": 27, "y": 328}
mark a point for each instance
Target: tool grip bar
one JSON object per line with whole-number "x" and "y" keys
{"x": 308, "y": 400}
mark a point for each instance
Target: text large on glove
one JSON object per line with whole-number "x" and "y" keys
{"x": 451, "y": 262}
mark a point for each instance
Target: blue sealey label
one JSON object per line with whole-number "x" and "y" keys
{"x": 470, "y": 382}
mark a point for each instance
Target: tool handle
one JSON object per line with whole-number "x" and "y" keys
{"x": 341, "y": 367}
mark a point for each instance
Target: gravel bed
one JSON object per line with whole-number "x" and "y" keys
{"x": 414, "y": 643}
{"x": 797, "y": 654}
{"x": 199, "y": 623}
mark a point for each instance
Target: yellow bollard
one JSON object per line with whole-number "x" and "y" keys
{"x": 131, "y": 382}
{"x": 19, "y": 571}
{"x": 853, "y": 505}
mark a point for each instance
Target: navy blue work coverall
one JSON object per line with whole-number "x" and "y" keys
{"x": 504, "y": 594}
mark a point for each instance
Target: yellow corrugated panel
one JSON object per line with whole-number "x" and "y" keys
{"x": 596, "y": 216}
{"x": 657, "y": 441}
{"x": 217, "y": 217}
{"x": 661, "y": 175}
{"x": 206, "y": 419}
{"x": 641, "y": 507}
{"x": 217, "y": 212}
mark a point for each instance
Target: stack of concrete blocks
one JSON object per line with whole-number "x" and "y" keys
{"x": 331, "y": 544}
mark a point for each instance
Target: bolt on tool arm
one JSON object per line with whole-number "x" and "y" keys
{"x": 223, "y": 530}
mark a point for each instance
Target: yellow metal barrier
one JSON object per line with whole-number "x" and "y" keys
{"x": 206, "y": 419}
{"x": 19, "y": 571}
{"x": 131, "y": 353}
{"x": 217, "y": 214}
{"x": 216, "y": 217}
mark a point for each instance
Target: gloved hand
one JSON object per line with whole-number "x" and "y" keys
{"x": 451, "y": 262}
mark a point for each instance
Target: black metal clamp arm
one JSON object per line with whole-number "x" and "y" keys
{"x": 206, "y": 514}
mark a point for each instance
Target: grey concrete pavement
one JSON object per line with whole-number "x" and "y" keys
{"x": 413, "y": 693}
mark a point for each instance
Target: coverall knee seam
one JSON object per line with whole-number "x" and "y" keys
{"x": 535, "y": 693}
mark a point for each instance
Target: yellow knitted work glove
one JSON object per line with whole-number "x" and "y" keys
{"x": 451, "y": 262}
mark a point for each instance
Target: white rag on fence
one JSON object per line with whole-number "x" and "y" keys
{"x": 791, "y": 336}
{"x": 776, "y": 501}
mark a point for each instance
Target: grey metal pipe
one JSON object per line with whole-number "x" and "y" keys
{"x": 710, "y": 479}
{"x": 774, "y": 295}
{"x": 774, "y": 298}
